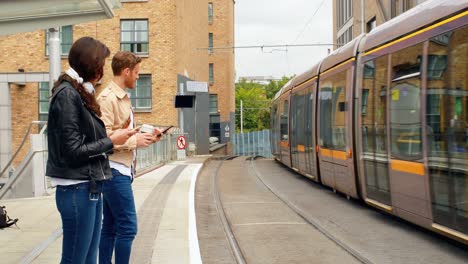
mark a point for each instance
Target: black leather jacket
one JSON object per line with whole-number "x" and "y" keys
{"x": 77, "y": 139}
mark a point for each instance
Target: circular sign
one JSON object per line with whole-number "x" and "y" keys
{"x": 181, "y": 142}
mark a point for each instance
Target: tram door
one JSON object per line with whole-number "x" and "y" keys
{"x": 297, "y": 130}
{"x": 311, "y": 157}
{"x": 335, "y": 141}
{"x": 410, "y": 198}
{"x": 284, "y": 130}
{"x": 447, "y": 129}
{"x": 274, "y": 139}
{"x": 373, "y": 126}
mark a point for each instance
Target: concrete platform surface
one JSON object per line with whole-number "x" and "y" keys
{"x": 164, "y": 200}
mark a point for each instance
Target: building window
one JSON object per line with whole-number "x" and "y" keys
{"x": 346, "y": 37}
{"x": 210, "y": 43}
{"x": 134, "y": 36}
{"x": 43, "y": 101}
{"x": 345, "y": 11}
{"x": 213, "y": 103}
{"x": 215, "y": 126}
{"x": 140, "y": 96}
{"x": 66, "y": 40}
{"x": 400, "y": 6}
{"x": 210, "y": 13}
{"x": 371, "y": 24}
{"x": 211, "y": 73}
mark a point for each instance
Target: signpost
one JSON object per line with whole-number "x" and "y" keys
{"x": 181, "y": 143}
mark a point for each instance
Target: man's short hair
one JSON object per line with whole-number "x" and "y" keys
{"x": 122, "y": 60}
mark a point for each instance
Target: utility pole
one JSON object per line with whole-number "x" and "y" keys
{"x": 242, "y": 117}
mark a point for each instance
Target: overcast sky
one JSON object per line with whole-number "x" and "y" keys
{"x": 270, "y": 22}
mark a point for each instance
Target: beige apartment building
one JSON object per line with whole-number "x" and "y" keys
{"x": 353, "y": 17}
{"x": 175, "y": 40}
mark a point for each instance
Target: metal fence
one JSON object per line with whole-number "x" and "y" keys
{"x": 255, "y": 143}
{"x": 164, "y": 150}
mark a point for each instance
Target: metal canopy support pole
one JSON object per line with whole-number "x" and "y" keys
{"x": 54, "y": 56}
{"x": 242, "y": 117}
{"x": 5, "y": 124}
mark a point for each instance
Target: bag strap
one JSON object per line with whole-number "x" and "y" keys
{"x": 11, "y": 222}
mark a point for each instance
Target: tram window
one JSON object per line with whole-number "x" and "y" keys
{"x": 447, "y": 128}
{"x": 333, "y": 112}
{"x": 274, "y": 130}
{"x": 436, "y": 65}
{"x": 325, "y": 139}
{"x": 373, "y": 108}
{"x": 300, "y": 108}
{"x": 374, "y": 130}
{"x": 405, "y": 104}
{"x": 284, "y": 121}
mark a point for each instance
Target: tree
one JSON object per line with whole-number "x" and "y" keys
{"x": 256, "y": 100}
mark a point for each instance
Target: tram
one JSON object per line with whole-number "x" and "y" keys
{"x": 385, "y": 118}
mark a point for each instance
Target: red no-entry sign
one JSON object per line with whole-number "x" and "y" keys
{"x": 181, "y": 142}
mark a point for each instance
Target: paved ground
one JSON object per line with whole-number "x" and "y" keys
{"x": 379, "y": 237}
{"x": 265, "y": 228}
{"x": 162, "y": 199}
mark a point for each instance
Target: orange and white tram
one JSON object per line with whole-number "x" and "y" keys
{"x": 385, "y": 118}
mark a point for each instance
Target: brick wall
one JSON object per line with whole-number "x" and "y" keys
{"x": 176, "y": 30}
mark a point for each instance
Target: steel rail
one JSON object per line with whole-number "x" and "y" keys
{"x": 222, "y": 216}
{"x": 358, "y": 256}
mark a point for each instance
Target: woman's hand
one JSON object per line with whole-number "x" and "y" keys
{"x": 120, "y": 136}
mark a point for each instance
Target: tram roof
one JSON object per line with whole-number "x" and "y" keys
{"x": 342, "y": 54}
{"x": 413, "y": 19}
{"x": 285, "y": 88}
{"x": 303, "y": 77}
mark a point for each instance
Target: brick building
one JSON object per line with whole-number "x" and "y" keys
{"x": 347, "y": 16}
{"x": 172, "y": 37}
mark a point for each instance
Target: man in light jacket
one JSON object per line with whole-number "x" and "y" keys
{"x": 119, "y": 226}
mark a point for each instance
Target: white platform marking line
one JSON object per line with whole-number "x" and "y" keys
{"x": 195, "y": 257}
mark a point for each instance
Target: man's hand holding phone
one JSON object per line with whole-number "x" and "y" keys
{"x": 150, "y": 131}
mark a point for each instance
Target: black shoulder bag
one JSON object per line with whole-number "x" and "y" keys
{"x": 5, "y": 220}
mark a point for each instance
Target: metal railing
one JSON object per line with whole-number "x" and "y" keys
{"x": 158, "y": 153}
{"x": 255, "y": 143}
{"x": 29, "y": 177}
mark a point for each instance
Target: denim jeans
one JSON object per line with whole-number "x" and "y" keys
{"x": 119, "y": 226}
{"x": 81, "y": 215}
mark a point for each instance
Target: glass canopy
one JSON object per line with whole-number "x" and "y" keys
{"x": 29, "y": 15}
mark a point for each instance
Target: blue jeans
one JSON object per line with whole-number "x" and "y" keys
{"x": 81, "y": 215}
{"x": 119, "y": 226}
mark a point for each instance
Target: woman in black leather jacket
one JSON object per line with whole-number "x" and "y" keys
{"x": 78, "y": 149}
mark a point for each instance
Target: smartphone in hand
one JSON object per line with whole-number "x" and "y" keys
{"x": 164, "y": 131}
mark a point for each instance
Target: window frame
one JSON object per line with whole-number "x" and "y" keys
{"x": 210, "y": 13}
{"x": 210, "y": 101}
{"x": 211, "y": 73}
{"x": 135, "y": 98}
{"x": 133, "y": 44}
{"x": 210, "y": 42}
{"x": 61, "y": 41}
{"x": 43, "y": 86}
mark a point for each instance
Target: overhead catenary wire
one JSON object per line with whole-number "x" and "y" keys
{"x": 308, "y": 22}
{"x": 268, "y": 46}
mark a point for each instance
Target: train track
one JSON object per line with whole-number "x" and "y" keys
{"x": 313, "y": 222}
{"x": 235, "y": 248}
{"x": 236, "y": 252}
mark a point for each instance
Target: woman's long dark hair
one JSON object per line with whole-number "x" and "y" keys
{"x": 87, "y": 57}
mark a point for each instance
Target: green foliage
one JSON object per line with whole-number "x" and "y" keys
{"x": 256, "y": 99}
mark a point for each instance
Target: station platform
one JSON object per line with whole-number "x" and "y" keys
{"x": 238, "y": 210}
{"x": 166, "y": 226}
